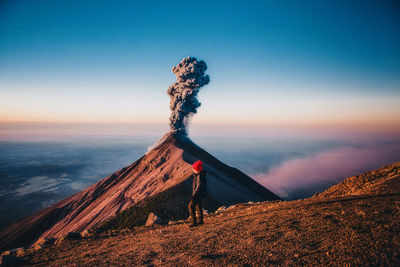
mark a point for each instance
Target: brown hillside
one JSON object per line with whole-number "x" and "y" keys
{"x": 345, "y": 231}
{"x": 385, "y": 180}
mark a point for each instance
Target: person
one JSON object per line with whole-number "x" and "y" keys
{"x": 199, "y": 191}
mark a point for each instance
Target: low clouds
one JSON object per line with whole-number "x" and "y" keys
{"x": 302, "y": 177}
{"x": 34, "y": 175}
{"x": 40, "y": 183}
{"x": 78, "y": 185}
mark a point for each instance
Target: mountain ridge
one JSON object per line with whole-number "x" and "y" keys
{"x": 384, "y": 180}
{"x": 166, "y": 165}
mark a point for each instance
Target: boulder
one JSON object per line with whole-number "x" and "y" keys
{"x": 14, "y": 252}
{"x": 85, "y": 233}
{"x": 20, "y": 252}
{"x": 40, "y": 241}
{"x": 153, "y": 219}
{"x": 6, "y": 252}
{"x": 69, "y": 236}
{"x": 37, "y": 247}
{"x": 220, "y": 209}
{"x": 45, "y": 242}
{"x": 12, "y": 257}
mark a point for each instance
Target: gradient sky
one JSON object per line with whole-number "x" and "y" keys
{"x": 321, "y": 63}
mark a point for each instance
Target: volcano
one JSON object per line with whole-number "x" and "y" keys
{"x": 166, "y": 167}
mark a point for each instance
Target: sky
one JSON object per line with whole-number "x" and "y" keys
{"x": 291, "y": 64}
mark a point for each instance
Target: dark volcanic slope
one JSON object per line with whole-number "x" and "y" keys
{"x": 167, "y": 165}
{"x": 385, "y": 180}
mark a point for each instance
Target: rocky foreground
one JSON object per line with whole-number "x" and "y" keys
{"x": 360, "y": 230}
{"x": 353, "y": 223}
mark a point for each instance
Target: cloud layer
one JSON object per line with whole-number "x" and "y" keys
{"x": 302, "y": 177}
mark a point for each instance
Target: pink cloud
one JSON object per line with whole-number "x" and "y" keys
{"x": 303, "y": 177}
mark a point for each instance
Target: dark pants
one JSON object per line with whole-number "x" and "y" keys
{"x": 195, "y": 204}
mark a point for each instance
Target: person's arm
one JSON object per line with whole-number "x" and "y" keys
{"x": 204, "y": 183}
{"x": 196, "y": 185}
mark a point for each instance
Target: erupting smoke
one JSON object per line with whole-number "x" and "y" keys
{"x": 190, "y": 77}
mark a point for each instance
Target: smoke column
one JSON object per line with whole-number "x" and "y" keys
{"x": 190, "y": 77}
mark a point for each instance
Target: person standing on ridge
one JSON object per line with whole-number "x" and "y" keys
{"x": 199, "y": 192}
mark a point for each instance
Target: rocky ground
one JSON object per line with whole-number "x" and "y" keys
{"x": 356, "y": 230}
{"x": 385, "y": 180}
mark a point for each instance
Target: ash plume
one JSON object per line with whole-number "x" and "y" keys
{"x": 190, "y": 77}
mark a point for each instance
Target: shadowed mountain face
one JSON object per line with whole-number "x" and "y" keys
{"x": 166, "y": 166}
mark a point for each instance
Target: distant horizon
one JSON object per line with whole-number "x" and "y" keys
{"x": 38, "y": 170}
{"x": 36, "y": 131}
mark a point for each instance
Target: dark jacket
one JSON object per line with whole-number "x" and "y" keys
{"x": 199, "y": 184}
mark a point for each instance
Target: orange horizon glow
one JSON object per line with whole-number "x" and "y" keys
{"x": 388, "y": 124}
{"x": 37, "y": 130}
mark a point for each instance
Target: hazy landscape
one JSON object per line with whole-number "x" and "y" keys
{"x": 35, "y": 174}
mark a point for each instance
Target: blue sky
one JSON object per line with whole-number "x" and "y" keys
{"x": 270, "y": 62}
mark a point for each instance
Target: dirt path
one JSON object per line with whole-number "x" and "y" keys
{"x": 355, "y": 230}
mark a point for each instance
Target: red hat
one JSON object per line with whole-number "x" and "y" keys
{"x": 198, "y": 166}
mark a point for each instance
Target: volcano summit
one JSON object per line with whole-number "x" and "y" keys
{"x": 164, "y": 168}
{"x": 167, "y": 166}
